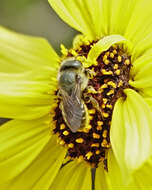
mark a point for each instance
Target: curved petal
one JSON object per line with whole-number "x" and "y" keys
{"x": 114, "y": 177}
{"x": 143, "y": 176}
{"x": 139, "y": 29}
{"x": 81, "y": 15}
{"x": 119, "y": 19}
{"x": 95, "y": 18}
{"x": 20, "y": 52}
{"x": 20, "y": 143}
{"x": 115, "y": 134}
{"x": 27, "y": 76}
{"x": 141, "y": 72}
{"x": 42, "y": 170}
{"x": 73, "y": 176}
{"x": 133, "y": 130}
{"x": 103, "y": 45}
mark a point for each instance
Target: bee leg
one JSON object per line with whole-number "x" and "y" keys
{"x": 87, "y": 92}
{"x": 59, "y": 94}
{"x": 95, "y": 104}
{"x": 91, "y": 90}
{"x": 90, "y": 73}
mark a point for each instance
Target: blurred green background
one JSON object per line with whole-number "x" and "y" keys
{"x": 35, "y": 17}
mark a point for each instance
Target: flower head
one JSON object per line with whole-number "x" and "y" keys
{"x": 89, "y": 108}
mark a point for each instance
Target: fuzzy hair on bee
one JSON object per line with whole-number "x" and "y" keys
{"x": 72, "y": 80}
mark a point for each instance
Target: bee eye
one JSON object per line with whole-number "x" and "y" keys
{"x": 67, "y": 78}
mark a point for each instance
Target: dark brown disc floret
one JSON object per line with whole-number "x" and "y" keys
{"x": 110, "y": 77}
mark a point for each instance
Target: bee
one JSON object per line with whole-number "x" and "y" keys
{"x": 72, "y": 80}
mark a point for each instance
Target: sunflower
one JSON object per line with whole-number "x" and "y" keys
{"x": 38, "y": 149}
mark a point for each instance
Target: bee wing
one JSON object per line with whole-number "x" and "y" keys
{"x": 73, "y": 108}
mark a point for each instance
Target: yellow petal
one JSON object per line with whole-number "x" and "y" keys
{"x": 28, "y": 76}
{"x": 43, "y": 169}
{"x": 139, "y": 30}
{"x": 143, "y": 176}
{"x": 133, "y": 131}
{"x": 81, "y": 15}
{"x": 22, "y": 97}
{"x": 73, "y": 176}
{"x": 103, "y": 45}
{"x": 116, "y": 135}
{"x": 141, "y": 72}
{"x": 118, "y": 19}
{"x": 20, "y": 52}
{"x": 20, "y": 143}
{"x": 100, "y": 179}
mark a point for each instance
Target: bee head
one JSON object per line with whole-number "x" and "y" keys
{"x": 70, "y": 63}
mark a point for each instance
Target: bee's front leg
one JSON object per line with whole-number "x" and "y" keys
{"x": 90, "y": 73}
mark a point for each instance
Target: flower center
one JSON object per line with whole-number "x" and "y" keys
{"x": 106, "y": 83}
